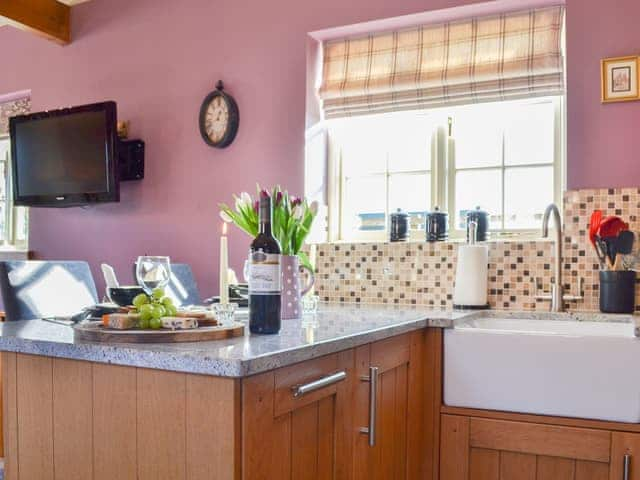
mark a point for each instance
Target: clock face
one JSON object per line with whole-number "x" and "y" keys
{"x": 219, "y": 119}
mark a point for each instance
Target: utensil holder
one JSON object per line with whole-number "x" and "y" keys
{"x": 617, "y": 291}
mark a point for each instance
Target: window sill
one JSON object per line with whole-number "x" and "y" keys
{"x": 456, "y": 241}
{"x": 8, "y": 252}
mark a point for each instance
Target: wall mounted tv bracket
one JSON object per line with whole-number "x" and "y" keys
{"x": 130, "y": 155}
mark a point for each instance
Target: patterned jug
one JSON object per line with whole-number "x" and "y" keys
{"x": 292, "y": 291}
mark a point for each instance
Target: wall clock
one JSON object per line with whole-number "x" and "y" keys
{"x": 219, "y": 118}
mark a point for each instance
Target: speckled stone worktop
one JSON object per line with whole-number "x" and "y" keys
{"x": 332, "y": 329}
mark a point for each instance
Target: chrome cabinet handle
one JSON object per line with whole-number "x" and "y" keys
{"x": 300, "y": 390}
{"x": 626, "y": 466}
{"x": 373, "y": 401}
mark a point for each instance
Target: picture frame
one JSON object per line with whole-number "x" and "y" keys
{"x": 620, "y": 79}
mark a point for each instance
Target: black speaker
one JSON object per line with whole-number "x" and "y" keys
{"x": 131, "y": 159}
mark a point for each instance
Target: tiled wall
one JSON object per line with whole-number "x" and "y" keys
{"x": 423, "y": 273}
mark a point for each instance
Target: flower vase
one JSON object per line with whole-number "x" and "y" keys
{"x": 292, "y": 291}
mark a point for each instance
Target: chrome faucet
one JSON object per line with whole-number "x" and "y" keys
{"x": 557, "y": 291}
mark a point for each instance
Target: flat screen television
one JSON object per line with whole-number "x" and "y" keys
{"x": 66, "y": 157}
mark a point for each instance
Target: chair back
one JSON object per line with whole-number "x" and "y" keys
{"x": 182, "y": 287}
{"x": 44, "y": 289}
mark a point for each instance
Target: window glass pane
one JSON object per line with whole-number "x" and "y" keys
{"x": 22, "y": 225}
{"x": 411, "y": 193}
{"x": 3, "y": 179}
{"x": 528, "y": 191}
{"x": 478, "y": 134}
{"x": 482, "y": 188}
{"x": 529, "y": 134}
{"x": 410, "y": 141}
{"x": 2, "y": 222}
{"x": 362, "y": 141}
{"x": 364, "y": 204}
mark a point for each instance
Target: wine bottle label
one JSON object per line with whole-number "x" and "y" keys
{"x": 265, "y": 276}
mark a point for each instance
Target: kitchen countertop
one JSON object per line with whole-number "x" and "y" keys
{"x": 333, "y": 328}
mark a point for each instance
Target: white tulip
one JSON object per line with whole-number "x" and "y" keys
{"x": 314, "y": 207}
{"x": 246, "y": 199}
{"x": 297, "y": 212}
{"x": 225, "y": 216}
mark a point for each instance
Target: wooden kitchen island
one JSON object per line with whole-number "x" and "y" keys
{"x": 298, "y": 405}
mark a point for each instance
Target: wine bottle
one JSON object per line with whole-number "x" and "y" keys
{"x": 265, "y": 282}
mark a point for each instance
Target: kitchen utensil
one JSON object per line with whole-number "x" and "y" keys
{"x": 437, "y": 226}
{"x": 594, "y": 224}
{"x": 481, "y": 219}
{"x": 602, "y": 252}
{"x": 399, "y": 226}
{"x": 611, "y": 227}
{"x": 624, "y": 246}
{"x": 624, "y": 242}
{"x": 610, "y": 243}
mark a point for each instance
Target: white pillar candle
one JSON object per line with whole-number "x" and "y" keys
{"x": 224, "y": 266}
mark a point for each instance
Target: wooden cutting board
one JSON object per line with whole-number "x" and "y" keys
{"x": 97, "y": 332}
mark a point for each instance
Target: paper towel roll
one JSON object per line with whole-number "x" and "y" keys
{"x": 471, "y": 276}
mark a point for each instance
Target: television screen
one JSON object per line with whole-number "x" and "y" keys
{"x": 65, "y": 157}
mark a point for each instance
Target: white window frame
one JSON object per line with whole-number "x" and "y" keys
{"x": 443, "y": 182}
{"x": 8, "y": 241}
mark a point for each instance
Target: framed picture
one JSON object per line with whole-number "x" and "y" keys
{"x": 620, "y": 79}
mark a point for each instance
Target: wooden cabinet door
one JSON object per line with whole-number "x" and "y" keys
{"x": 395, "y": 448}
{"x": 484, "y": 449}
{"x": 625, "y": 456}
{"x": 307, "y": 436}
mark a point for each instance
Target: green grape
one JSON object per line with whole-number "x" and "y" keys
{"x": 155, "y": 323}
{"x": 140, "y": 300}
{"x": 158, "y": 311}
{"x": 166, "y": 301}
{"x": 143, "y": 323}
{"x": 157, "y": 293}
{"x": 171, "y": 310}
{"x": 147, "y": 314}
{"x": 146, "y": 308}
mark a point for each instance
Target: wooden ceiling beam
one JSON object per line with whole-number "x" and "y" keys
{"x": 48, "y": 18}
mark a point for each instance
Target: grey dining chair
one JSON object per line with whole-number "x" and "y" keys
{"x": 46, "y": 289}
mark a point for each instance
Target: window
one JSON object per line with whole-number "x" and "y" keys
{"x": 504, "y": 157}
{"x": 13, "y": 220}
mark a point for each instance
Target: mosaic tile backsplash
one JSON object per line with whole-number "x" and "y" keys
{"x": 423, "y": 273}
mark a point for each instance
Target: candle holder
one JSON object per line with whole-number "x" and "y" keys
{"x": 224, "y": 312}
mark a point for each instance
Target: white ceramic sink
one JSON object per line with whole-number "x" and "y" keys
{"x": 550, "y": 367}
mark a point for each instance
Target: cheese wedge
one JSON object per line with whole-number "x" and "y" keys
{"x": 179, "y": 323}
{"x": 122, "y": 321}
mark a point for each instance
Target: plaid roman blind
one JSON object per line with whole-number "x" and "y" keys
{"x": 509, "y": 56}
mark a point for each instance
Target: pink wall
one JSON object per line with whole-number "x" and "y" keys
{"x": 603, "y": 140}
{"x": 158, "y": 59}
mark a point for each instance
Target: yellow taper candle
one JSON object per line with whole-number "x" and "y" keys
{"x": 224, "y": 266}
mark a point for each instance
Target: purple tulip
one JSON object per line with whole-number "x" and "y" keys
{"x": 295, "y": 201}
{"x": 279, "y": 196}
{"x": 256, "y": 205}
{"x": 264, "y": 194}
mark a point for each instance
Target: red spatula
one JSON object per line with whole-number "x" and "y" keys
{"x": 594, "y": 225}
